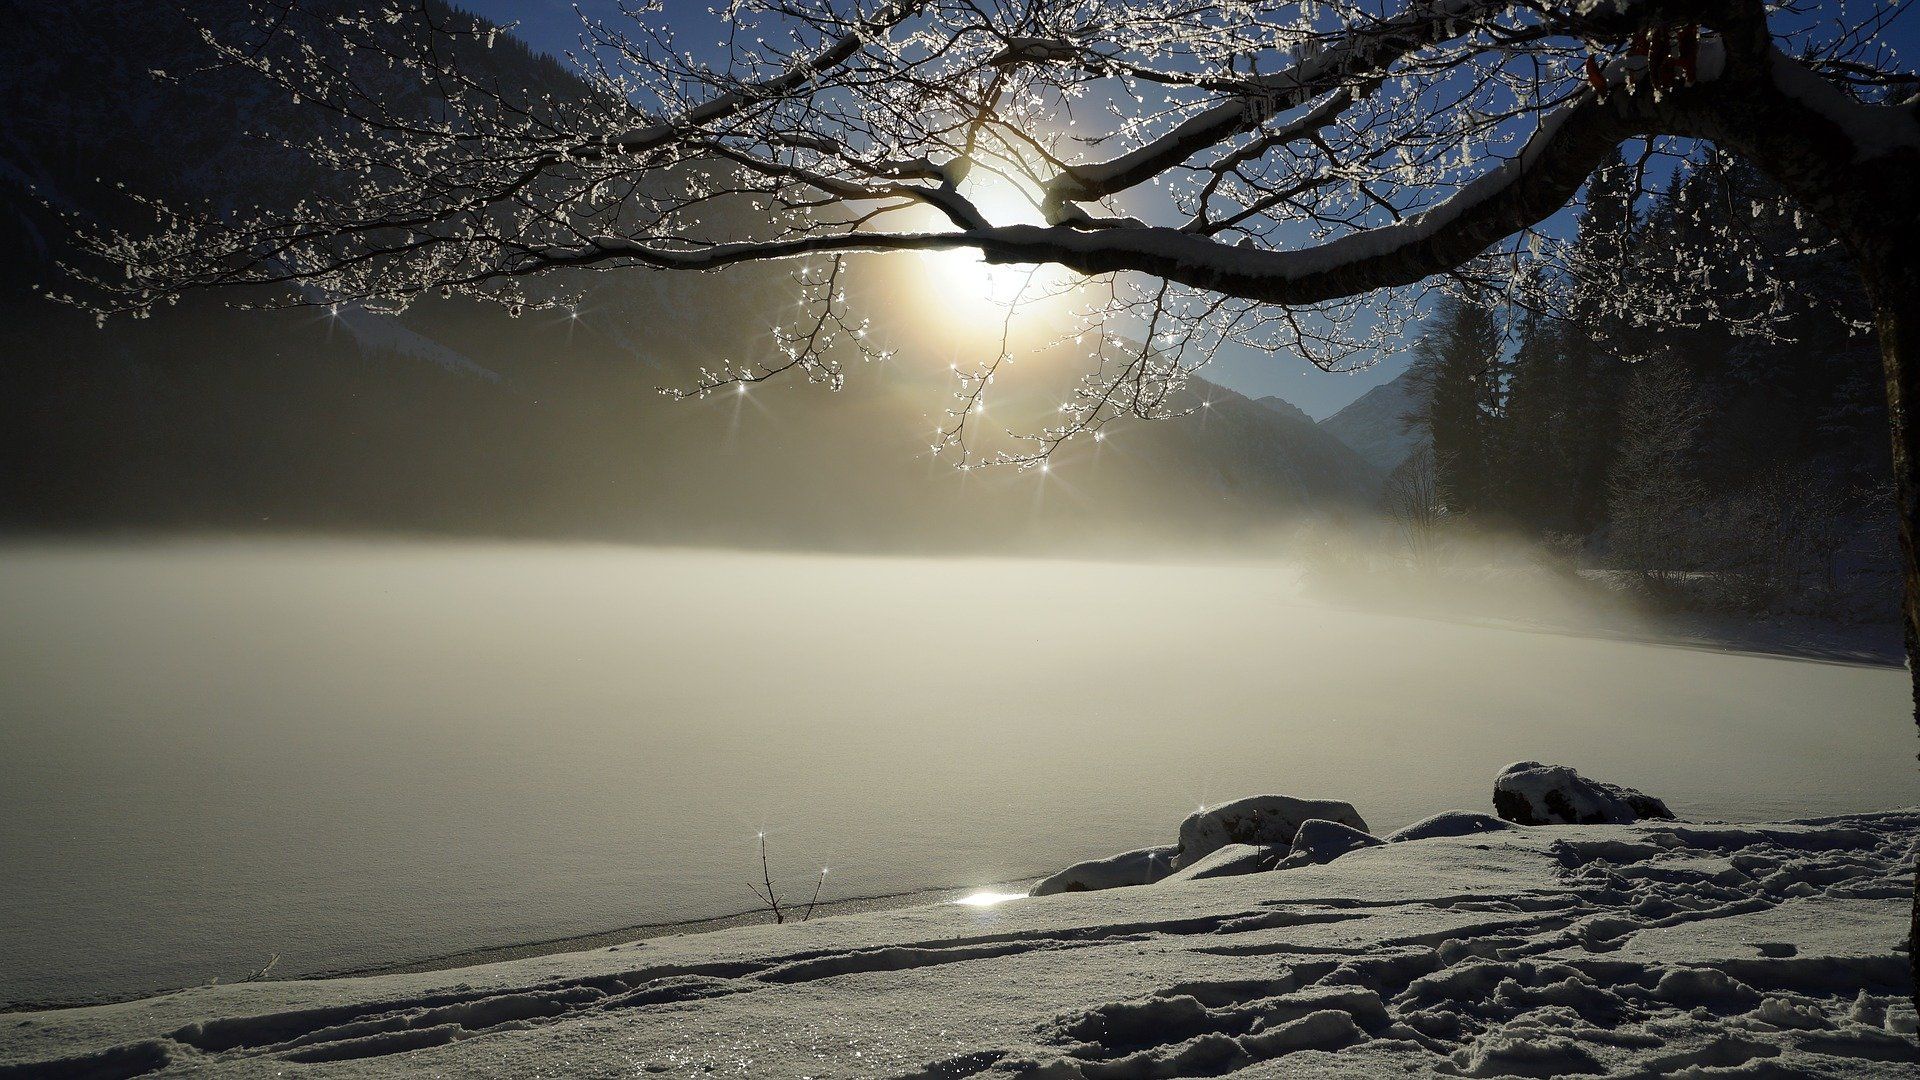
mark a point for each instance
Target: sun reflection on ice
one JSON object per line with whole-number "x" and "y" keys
{"x": 988, "y": 898}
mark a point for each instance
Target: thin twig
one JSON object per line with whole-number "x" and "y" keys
{"x": 817, "y": 886}
{"x": 766, "y": 878}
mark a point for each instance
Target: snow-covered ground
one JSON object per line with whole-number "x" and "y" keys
{"x": 1655, "y": 949}
{"x": 361, "y": 755}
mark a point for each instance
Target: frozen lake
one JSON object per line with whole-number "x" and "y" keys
{"x": 357, "y": 754}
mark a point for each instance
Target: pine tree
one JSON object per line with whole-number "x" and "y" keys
{"x": 1457, "y": 370}
{"x": 1654, "y": 487}
{"x": 1594, "y": 345}
{"x": 1534, "y": 460}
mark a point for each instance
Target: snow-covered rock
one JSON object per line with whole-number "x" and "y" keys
{"x": 1258, "y": 819}
{"x": 1448, "y": 823}
{"x": 1322, "y": 841}
{"x": 1143, "y": 866}
{"x": 1614, "y": 950}
{"x": 1529, "y": 793}
{"x": 1232, "y": 861}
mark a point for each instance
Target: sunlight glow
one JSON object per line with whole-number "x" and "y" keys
{"x": 966, "y": 274}
{"x": 988, "y": 898}
{"x": 965, "y": 292}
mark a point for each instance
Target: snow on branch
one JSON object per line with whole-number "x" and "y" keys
{"x": 1257, "y": 172}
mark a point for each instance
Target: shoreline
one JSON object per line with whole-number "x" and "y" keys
{"x": 522, "y": 950}
{"x": 852, "y": 905}
{"x": 1641, "y": 949}
{"x": 931, "y": 896}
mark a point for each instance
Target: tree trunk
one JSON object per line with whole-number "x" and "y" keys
{"x": 1895, "y": 284}
{"x": 1884, "y": 236}
{"x": 1871, "y": 202}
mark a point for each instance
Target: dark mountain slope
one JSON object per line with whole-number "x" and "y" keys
{"x": 1313, "y": 442}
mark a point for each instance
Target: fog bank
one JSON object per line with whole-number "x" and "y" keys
{"x": 351, "y": 754}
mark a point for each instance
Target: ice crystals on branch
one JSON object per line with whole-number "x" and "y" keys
{"x": 1253, "y": 174}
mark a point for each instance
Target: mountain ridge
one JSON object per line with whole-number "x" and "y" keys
{"x": 1374, "y": 425}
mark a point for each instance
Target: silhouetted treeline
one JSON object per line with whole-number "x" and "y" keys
{"x": 1744, "y": 470}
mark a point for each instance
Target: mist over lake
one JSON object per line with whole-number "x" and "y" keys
{"x": 359, "y": 754}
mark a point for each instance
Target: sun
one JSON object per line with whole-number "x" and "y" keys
{"x": 966, "y": 280}
{"x": 961, "y": 291}
{"x": 955, "y": 302}
{"x": 965, "y": 276}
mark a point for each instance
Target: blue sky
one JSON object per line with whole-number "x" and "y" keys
{"x": 553, "y": 26}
